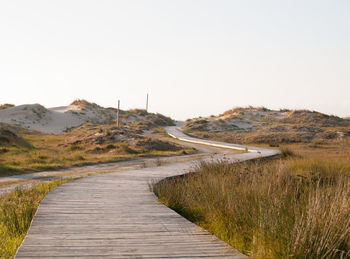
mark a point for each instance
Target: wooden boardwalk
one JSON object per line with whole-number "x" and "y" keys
{"x": 115, "y": 215}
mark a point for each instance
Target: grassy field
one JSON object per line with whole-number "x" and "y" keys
{"x": 26, "y": 151}
{"x": 295, "y": 207}
{"x": 16, "y": 212}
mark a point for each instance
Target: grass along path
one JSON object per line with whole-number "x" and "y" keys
{"x": 291, "y": 208}
{"x": 17, "y": 210}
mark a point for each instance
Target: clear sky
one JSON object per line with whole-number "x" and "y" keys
{"x": 194, "y": 58}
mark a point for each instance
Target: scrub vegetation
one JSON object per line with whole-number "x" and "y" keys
{"x": 26, "y": 150}
{"x": 260, "y": 125}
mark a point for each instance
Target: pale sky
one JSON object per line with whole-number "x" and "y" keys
{"x": 194, "y": 58}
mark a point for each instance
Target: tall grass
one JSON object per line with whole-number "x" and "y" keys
{"x": 16, "y": 212}
{"x": 265, "y": 209}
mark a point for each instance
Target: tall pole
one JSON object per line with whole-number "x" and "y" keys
{"x": 147, "y": 104}
{"x": 118, "y": 113}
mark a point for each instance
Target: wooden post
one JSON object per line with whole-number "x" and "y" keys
{"x": 147, "y": 104}
{"x": 118, "y": 113}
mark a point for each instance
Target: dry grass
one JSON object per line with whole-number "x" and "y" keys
{"x": 142, "y": 120}
{"x": 273, "y": 139}
{"x": 159, "y": 130}
{"x": 88, "y": 144}
{"x": 5, "y": 106}
{"x": 16, "y": 212}
{"x": 297, "y": 207}
{"x": 264, "y": 126}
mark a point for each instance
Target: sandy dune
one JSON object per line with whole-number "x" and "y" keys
{"x": 55, "y": 120}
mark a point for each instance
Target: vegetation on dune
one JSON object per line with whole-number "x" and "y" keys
{"x": 296, "y": 207}
{"x": 134, "y": 118}
{"x": 16, "y": 212}
{"x": 56, "y": 120}
{"x": 159, "y": 130}
{"x": 83, "y": 103}
{"x": 8, "y": 137}
{"x": 264, "y": 126}
{"x": 5, "y": 106}
{"x": 88, "y": 144}
{"x": 143, "y": 120}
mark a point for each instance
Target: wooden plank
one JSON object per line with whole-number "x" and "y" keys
{"x": 116, "y": 216}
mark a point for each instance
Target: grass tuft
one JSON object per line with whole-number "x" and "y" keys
{"x": 286, "y": 152}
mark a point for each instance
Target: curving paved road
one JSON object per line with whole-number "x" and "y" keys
{"x": 116, "y": 216}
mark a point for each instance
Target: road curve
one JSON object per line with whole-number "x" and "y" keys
{"x": 115, "y": 215}
{"x": 175, "y": 132}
